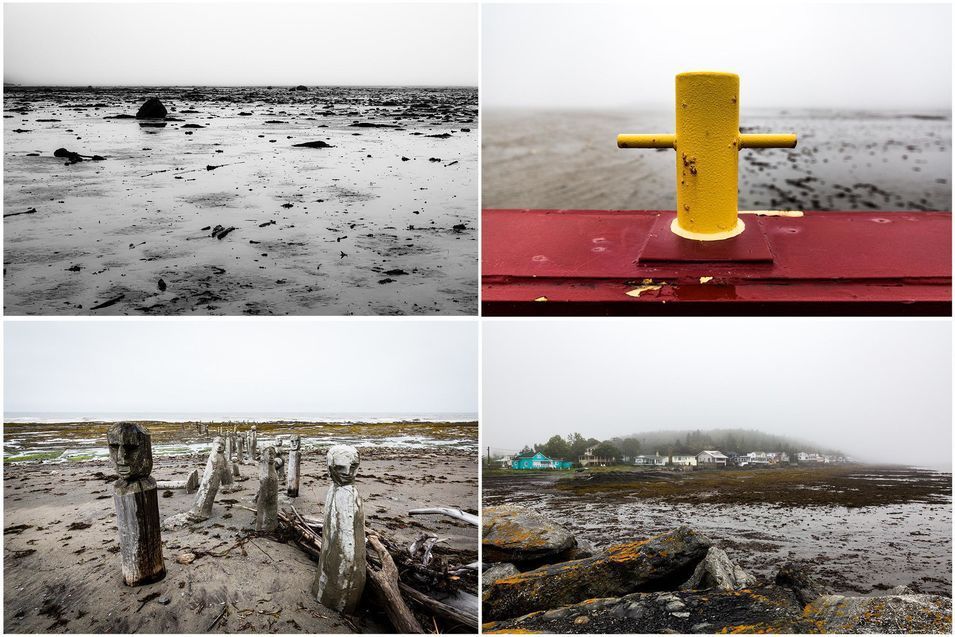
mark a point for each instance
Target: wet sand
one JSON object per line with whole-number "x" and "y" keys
{"x": 904, "y": 540}
{"x": 384, "y": 221}
{"x": 62, "y": 572}
{"x": 843, "y": 161}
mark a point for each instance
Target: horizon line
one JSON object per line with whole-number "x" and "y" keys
{"x": 310, "y": 86}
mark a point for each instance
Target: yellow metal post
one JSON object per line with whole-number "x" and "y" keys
{"x": 707, "y": 144}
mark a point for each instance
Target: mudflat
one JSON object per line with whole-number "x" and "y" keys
{"x": 220, "y": 209}
{"x": 863, "y": 529}
{"x": 62, "y": 570}
{"x": 844, "y": 160}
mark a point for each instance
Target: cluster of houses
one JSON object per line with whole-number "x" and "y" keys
{"x": 707, "y": 459}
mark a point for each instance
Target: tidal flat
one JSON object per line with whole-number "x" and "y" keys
{"x": 844, "y": 160}
{"x": 379, "y": 218}
{"x": 861, "y": 529}
{"x": 61, "y": 567}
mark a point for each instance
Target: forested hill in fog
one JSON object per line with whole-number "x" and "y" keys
{"x": 725, "y": 440}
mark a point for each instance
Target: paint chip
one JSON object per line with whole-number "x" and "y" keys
{"x": 541, "y": 298}
{"x": 637, "y": 291}
{"x": 705, "y": 279}
{"x": 773, "y": 213}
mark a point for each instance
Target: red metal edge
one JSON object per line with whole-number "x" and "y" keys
{"x": 578, "y": 262}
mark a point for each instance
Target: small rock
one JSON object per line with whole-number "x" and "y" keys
{"x": 581, "y": 620}
{"x": 185, "y": 558}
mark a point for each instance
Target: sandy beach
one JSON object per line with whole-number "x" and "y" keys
{"x": 62, "y": 572}
{"x": 843, "y": 161}
{"x": 380, "y": 220}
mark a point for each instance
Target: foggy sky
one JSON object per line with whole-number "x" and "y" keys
{"x": 877, "y": 390}
{"x": 232, "y": 44}
{"x": 859, "y": 56}
{"x": 353, "y": 365}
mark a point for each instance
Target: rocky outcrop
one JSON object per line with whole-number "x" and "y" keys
{"x": 885, "y": 614}
{"x": 658, "y": 563}
{"x": 800, "y": 581}
{"x": 771, "y": 609}
{"x": 151, "y": 109}
{"x": 521, "y": 536}
{"x": 766, "y": 609}
{"x": 717, "y": 571}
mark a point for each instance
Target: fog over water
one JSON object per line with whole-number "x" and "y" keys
{"x": 794, "y": 55}
{"x": 877, "y": 390}
{"x": 240, "y": 44}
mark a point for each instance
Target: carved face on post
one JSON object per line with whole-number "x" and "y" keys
{"x": 130, "y": 450}
{"x": 295, "y": 442}
{"x": 268, "y": 454}
{"x": 218, "y": 445}
{"x": 343, "y": 464}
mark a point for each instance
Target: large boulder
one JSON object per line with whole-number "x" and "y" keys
{"x": 799, "y": 579}
{"x": 151, "y": 109}
{"x": 521, "y": 536}
{"x": 716, "y": 570}
{"x": 762, "y": 610}
{"x": 886, "y": 614}
{"x": 659, "y": 563}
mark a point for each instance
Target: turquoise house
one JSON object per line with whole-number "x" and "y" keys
{"x": 539, "y": 461}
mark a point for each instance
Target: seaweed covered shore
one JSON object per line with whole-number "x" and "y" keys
{"x": 862, "y": 527}
{"x": 827, "y": 485}
{"x": 84, "y": 440}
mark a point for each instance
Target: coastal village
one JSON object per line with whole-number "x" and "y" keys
{"x": 530, "y": 459}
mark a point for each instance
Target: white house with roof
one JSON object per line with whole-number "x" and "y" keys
{"x": 590, "y": 459}
{"x": 683, "y": 460}
{"x": 711, "y": 459}
{"x": 757, "y": 457}
{"x": 655, "y": 460}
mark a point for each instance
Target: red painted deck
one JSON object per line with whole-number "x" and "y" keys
{"x": 585, "y": 262}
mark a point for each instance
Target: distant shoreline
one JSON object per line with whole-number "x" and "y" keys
{"x": 317, "y": 420}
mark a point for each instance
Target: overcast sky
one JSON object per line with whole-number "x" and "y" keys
{"x": 240, "y": 44}
{"x": 787, "y": 55}
{"x": 878, "y": 390}
{"x": 182, "y": 366}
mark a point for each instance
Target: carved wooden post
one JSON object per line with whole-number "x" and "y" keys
{"x": 137, "y": 505}
{"x": 267, "y": 500}
{"x": 206, "y": 495}
{"x": 253, "y": 443}
{"x": 294, "y": 464}
{"x": 341, "y": 569}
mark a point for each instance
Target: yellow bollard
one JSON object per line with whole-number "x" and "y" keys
{"x": 707, "y": 142}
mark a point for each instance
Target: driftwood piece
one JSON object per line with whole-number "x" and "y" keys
{"x": 190, "y": 484}
{"x": 453, "y": 513}
{"x": 386, "y": 585}
{"x": 310, "y": 541}
{"x": 439, "y": 608}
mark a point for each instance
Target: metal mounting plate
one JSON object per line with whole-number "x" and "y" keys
{"x": 663, "y": 246}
